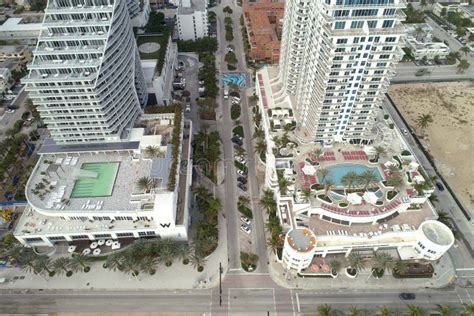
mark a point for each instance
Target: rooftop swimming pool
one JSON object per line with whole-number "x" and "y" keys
{"x": 336, "y": 172}
{"x": 98, "y": 180}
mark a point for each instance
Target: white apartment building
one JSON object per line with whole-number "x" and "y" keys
{"x": 420, "y": 41}
{"x": 15, "y": 29}
{"x": 86, "y": 77}
{"x": 337, "y": 57}
{"x": 192, "y": 21}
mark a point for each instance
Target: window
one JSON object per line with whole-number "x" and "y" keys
{"x": 56, "y": 238}
{"x": 388, "y": 23}
{"x": 341, "y": 13}
{"x": 33, "y": 239}
{"x": 124, "y": 234}
{"x": 369, "y": 12}
{"x": 341, "y": 41}
{"x": 389, "y": 12}
{"x": 372, "y": 24}
{"x": 339, "y": 25}
{"x": 391, "y": 39}
{"x": 357, "y": 24}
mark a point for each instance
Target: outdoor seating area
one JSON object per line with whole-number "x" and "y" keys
{"x": 354, "y": 155}
{"x": 326, "y": 156}
{"x": 374, "y": 211}
{"x": 308, "y": 180}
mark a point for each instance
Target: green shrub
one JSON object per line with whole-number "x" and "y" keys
{"x": 245, "y": 211}
{"x": 235, "y": 111}
{"x": 239, "y": 130}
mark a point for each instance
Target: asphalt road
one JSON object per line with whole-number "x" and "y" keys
{"x": 10, "y": 118}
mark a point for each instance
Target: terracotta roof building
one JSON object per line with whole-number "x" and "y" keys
{"x": 263, "y": 21}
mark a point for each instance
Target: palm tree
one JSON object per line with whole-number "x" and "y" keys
{"x": 114, "y": 261}
{"x": 384, "y": 311}
{"x": 462, "y": 66}
{"x": 354, "y": 311}
{"x": 379, "y": 151}
{"x": 356, "y": 261}
{"x": 43, "y": 263}
{"x": 61, "y": 265}
{"x": 414, "y": 310}
{"x": 277, "y": 141}
{"x": 395, "y": 181}
{"x": 27, "y": 262}
{"x": 197, "y": 261}
{"x": 184, "y": 252}
{"x": 167, "y": 254}
{"x": 244, "y": 200}
{"x": 393, "y": 170}
{"x": 79, "y": 263}
{"x": 469, "y": 309}
{"x": 130, "y": 265}
{"x": 274, "y": 242}
{"x": 148, "y": 265}
{"x": 349, "y": 179}
{"x": 287, "y": 128}
{"x": 284, "y": 139}
{"x": 419, "y": 33}
{"x": 239, "y": 150}
{"x": 325, "y": 310}
{"x": 433, "y": 198}
{"x": 153, "y": 151}
{"x": 328, "y": 185}
{"x": 267, "y": 201}
{"x": 258, "y": 133}
{"x": 443, "y": 217}
{"x": 202, "y": 192}
{"x": 145, "y": 184}
{"x": 424, "y": 120}
{"x": 283, "y": 185}
{"x": 260, "y": 146}
{"x": 400, "y": 267}
{"x": 383, "y": 261}
{"x": 368, "y": 177}
{"x": 318, "y": 152}
{"x": 257, "y": 118}
{"x": 335, "y": 265}
{"x": 323, "y": 173}
{"x": 444, "y": 310}
{"x": 306, "y": 193}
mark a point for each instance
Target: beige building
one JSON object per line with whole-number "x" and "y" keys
{"x": 20, "y": 53}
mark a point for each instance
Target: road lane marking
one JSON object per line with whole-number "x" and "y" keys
{"x": 298, "y": 303}
{"x": 292, "y": 302}
{"x": 274, "y": 302}
{"x": 465, "y": 269}
{"x": 468, "y": 294}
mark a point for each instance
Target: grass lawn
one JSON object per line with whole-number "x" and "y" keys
{"x": 239, "y": 130}
{"x": 146, "y": 39}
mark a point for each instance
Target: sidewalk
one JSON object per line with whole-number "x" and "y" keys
{"x": 444, "y": 275}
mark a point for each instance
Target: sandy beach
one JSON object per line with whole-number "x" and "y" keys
{"x": 450, "y": 138}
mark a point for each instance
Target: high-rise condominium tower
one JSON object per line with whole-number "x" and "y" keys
{"x": 337, "y": 57}
{"x": 86, "y": 77}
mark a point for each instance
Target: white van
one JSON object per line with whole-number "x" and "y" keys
{"x": 226, "y": 93}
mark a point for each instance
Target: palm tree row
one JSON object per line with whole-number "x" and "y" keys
{"x": 275, "y": 231}
{"x": 206, "y": 232}
{"x": 411, "y": 310}
{"x": 352, "y": 179}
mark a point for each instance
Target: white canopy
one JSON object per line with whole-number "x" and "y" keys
{"x": 354, "y": 198}
{"x": 418, "y": 179}
{"x": 309, "y": 170}
{"x": 369, "y": 150}
{"x": 370, "y": 197}
{"x": 390, "y": 163}
{"x": 413, "y": 165}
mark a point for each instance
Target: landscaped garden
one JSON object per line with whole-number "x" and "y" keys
{"x": 207, "y": 151}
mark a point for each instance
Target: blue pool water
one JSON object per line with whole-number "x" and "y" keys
{"x": 336, "y": 172}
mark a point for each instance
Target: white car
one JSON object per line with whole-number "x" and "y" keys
{"x": 245, "y": 220}
{"x": 242, "y": 161}
{"x": 235, "y": 100}
{"x": 404, "y": 131}
{"x": 245, "y": 229}
{"x": 11, "y": 111}
{"x": 241, "y": 172}
{"x": 188, "y": 108}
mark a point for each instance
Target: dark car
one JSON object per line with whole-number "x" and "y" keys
{"x": 243, "y": 180}
{"x": 407, "y": 296}
{"x": 440, "y": 186}
{"x": 242, "y": 186}
{"x": 236, "y": 140}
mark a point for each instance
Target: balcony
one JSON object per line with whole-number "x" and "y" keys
{"x": 65, "y": 64}
{"x": 46, "y": 50}
{"x": 54, "y": 9}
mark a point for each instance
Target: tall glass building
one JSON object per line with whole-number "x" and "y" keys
{"x": 86, "y": 78}
{"x": 337, "y": 57}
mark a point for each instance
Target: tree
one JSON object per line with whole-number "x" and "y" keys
{"x": 43, "y": 263}
{"x": 153, "y": 151}
{"x": 258, "y": 133}
{"x": 419, "y": 34}
{"x": 444, "y": 310}
{"x": 328, "y": 185}
{"x": 61, "y": 265}
{"x": 434, "y": 198}
{"x": 274, "y": 243}
{"x": 401, "y": 267}
{"x": 306, "y": 193}
{"x": 145, "y": 184}
{"x": 354, "y": 311}
{"x": 368, "y": 177}
{"x": 283, "y": 184}
{"x": 130, "y": 265}
{"x": 384, "y": 311}
{"x": 443, "y": 217}
{"x": 424, "y": 120}
{"x": 114, "y": 261}
{"x": 79, "y": 263}
{"x": 393, "y": 169}
{"x": 148, "y": 265}
{"x": 239, "y": 150}
{"x": 202, "y": 193}
{"x": 277, "y": 141}
{"x": 335, "y": 265}
{"x": 462, "y": 66}
{"x": 227, "y": 10}
{"x": 167, "y": 253}
{"x": 394, "y": 181}
{"x": 260, "y": 147}
{"x": 325, "y": 310}
{"x": 466, "y": 50}
{"x": 184, "y": 252}
{"x": 469, "y": 309}
{"x": 267, "y": 201}
{"x": 423, "y": 3}
{"x": 414, "y": 310}
{"x": 356, "y": 261}
{"x": 197, "y": 261}
{"x": 349, "y": 179}
{"x": 379, "y": 151}
{"x": 324, "y": 173}
{"x": 384, "y": 261}
{"x": 318, "y": 152}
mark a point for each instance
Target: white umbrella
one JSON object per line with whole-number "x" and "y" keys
{"x": 309, "y": 170}
{"x": 71, "y": 249}
{"x": 116, "y": 245}
{"x": 101, "y": 242}
{"x": 354, "y": 198}
{"x": 109, "y": 242}
{"x": 413, "y": 165}
{"x": 96, "y": 252}
{"x": 370, "y": 197}
{"x": 86, "y": 251}
{"x": 93, "y": 245}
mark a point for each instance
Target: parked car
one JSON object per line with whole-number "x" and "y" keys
{"x": 235, "y": 100}
{"x": 245, "y": 229}
{"x": 11, "y": 111}
{"x": 439, "y": 185}
{"x": 242, "y": 179}
{"x": 245, "y": 220}
{"x": 242, "y": 186}
{"x": 188, "y": 101}
{"x": 407, "y": 296}
{"x": 241, "y": 172}
{"x": 236, "y": 140}
{"x": 422, "y": 72}
{"x": 188, "y": 108}
{"x": 404, "y": 131}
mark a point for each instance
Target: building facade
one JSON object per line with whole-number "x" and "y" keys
{"x": 86, "y": 78}
{"x": 19, "y": 53}
{"x": 192, "y": 21}
{"x": 336, "y": 59}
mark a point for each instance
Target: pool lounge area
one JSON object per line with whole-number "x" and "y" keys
{"x": 97, "y": 180}
{"x": 338, "y": 171}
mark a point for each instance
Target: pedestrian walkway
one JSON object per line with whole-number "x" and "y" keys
{"x": 444, "y": 275}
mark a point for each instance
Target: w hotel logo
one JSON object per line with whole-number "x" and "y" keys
{"x": 167, "y": 225}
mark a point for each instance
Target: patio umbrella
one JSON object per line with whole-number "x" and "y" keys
{"x": 370, "y": 197}
{"x": 86, "y": 251}
{"x": 314, "y": 268}
{"x": 309, "y": 170}
{"x": 96, "y": 252}
{"x": 101, "y": 242}
{"x": 325, "y": 268}
{"x": 109, "y": 242}
{"x": 93, "y": 245}
{"x": 71, "y": 249}
{"x": 354, "y": 198}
